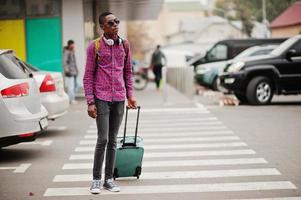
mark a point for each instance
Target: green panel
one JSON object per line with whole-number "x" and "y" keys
{"x": 44, "y": 43}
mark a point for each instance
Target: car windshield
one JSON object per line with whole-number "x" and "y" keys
{"x": 218, "y": 52}
{"x": 284, "y": 46}
{"x": 247, "y": 52}
{"x": 255, "y": 51}
{"x": 30, "y": 67}
{"x": 11, "y": 68}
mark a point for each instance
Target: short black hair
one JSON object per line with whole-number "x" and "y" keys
{"x": 70, "y": 42}
{"x": 102, "y": 16}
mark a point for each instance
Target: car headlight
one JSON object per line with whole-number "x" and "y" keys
{"x": 235, "y": 67}
{"x": 202, "y": 70}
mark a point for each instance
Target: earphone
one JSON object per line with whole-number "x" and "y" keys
{"x": 111, "y": 42}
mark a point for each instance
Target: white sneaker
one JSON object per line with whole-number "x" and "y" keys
{"x": 111, "y": 186}
{"x": 95, "y": 187}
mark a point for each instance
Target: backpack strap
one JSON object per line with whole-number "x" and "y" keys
{"x": 96, "y": 49}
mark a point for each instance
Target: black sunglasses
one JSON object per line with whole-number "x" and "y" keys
{"x": 111, "y": 22}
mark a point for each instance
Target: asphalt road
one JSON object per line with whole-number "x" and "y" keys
{"x": 193, "y": 150}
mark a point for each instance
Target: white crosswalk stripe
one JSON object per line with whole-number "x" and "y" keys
{"x": 181, "y": 174}
{"x": 181, "y": 163}
{"x": 177, "y": 154}
{"x": 182, "y": 188}
{"x": 159, "y": 126}
{"x": 173, "y": 140}
{"x": 177, "y": 146}
{"x": 92, "y": 135}
{"x": 177, "y": 129}
{"x": 173, "y": 120}
{"x": 180, "y": 144}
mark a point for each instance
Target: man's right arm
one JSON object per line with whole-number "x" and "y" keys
{"x": 88, "y": 79}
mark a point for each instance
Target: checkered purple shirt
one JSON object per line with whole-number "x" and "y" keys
{"x": 106, "y": 80}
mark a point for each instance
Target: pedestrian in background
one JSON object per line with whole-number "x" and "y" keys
{"x": 107, "y": 82}
{"x": 157, "y": 65}
{"x": 70, "y": 71}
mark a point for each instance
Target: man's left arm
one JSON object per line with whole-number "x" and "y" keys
{"x": 129, "y": 77}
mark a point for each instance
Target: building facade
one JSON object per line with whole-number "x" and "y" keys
{"x": 288, "y": 23}
{"x": 37, "y": 30}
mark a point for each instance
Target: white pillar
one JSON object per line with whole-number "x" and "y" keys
{"x": 73, "y": 28}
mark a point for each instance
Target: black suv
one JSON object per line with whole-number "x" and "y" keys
{"x": 255, "y": 80}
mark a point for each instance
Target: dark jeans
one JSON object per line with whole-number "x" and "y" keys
{"x": 158, "y": 74}
{"x": 108, "y": 120}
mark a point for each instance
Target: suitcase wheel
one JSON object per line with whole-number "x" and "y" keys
{"x": 138, "y": 177}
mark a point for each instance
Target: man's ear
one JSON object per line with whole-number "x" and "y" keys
{"x": 101, "y": 26}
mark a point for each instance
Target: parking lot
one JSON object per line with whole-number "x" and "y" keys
{"x": 193, "y": 149}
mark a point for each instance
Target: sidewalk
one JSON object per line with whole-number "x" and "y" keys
{"x": 166, "y": 97}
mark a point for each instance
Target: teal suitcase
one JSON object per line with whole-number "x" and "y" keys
{"x": 129, "y": 153}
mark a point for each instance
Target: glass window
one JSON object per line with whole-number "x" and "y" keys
{"x": 43, "y": 8}
{"x": 297, "y": 47}
{"x": 11, "y": 9}
{"x": 28, "y": 66}
{"x": 218, "y": 52}
{"x": 283, "y": 47}
{"x": 261, "y": 52}
{"x": 11, "y": 68}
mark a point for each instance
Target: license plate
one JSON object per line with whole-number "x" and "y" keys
{"x": 43, "y": 123}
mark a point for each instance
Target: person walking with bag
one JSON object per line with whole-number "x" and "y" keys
{"x": 107, "y": 83}
{"x": 70, "y": 71}
{"x": 157, "y": 65}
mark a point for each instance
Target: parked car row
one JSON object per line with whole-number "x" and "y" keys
{"x": 256, "y": 79}
{"x": 29, "y": 98}
{"x": 257, "y": 73}
{"x": 208, "y": 74}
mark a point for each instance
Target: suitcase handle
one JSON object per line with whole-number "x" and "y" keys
{"x": 125, "y": 123}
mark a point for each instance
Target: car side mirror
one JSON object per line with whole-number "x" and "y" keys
{"x": 291, "y": 53}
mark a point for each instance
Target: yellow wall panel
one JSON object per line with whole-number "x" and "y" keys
{"x": 12, "y": 36}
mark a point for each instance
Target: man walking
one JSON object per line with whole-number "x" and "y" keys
{"x": 70, "y": 70}
{"x": 107, "y": 83}
{"x": 157, "y": 65}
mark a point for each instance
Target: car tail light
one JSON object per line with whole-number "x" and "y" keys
{"x": 18, "y": 90}
{"x": 48, "y": 84}
{"x": 26, "y": 135}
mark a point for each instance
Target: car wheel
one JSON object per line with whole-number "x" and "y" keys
{"x": 241, "y": 97}
{"x": 260, "y": 91}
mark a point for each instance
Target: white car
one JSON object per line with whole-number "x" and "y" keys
{"x": 21, "y": 112}
{"x": 51, "y": 87}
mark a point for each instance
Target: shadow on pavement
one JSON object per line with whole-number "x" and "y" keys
{"x": 53, "y": 133}
{"x": 286, "y": 103}
{"x": 11, "y": 155}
